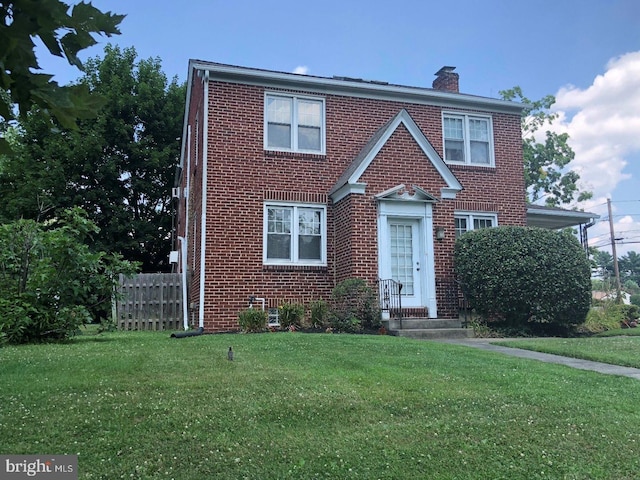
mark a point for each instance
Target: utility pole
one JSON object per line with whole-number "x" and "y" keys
{"x": 616, "y": 270}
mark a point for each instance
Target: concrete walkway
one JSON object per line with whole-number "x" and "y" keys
{"x": 485, "y": 344}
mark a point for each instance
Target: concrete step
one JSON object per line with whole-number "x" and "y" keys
{"x": 433, "y": 333}
{"x": 421, "y": 323}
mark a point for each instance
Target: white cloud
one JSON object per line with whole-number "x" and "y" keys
{"x": 301, "y": 69}
{"x": 603, "y": 123}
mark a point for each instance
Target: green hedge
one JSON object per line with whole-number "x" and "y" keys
{"x": 523, "y": 276}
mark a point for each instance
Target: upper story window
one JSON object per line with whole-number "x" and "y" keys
{"x": 295, "y": 234}
{"x": 294, "y": 123}
{"x": 468, "y": 139}
{"x": 465, "y": 222}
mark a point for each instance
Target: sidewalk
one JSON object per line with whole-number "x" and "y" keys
{"x": 485, "y": 344}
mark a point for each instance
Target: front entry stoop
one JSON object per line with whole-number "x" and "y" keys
{"x": 427, "y": 328}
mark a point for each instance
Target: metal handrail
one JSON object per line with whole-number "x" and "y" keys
{"x": 390, "y": 297}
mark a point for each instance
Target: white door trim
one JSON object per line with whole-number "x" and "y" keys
{"x": 423, "y": 213}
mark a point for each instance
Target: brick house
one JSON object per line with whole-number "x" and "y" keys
{"x": 290, "y": 183}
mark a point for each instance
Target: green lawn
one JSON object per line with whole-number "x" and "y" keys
{"x": 618, "y": 350}
{"x": 302, "y": 406}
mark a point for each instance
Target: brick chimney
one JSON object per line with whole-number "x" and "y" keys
{"x": 446, "y": 80}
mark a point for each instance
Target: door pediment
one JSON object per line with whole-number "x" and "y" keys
{"x": 401, "y": 193}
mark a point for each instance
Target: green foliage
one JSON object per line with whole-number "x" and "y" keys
{"x": 51, "y": 282}
{"x": 64, "y": 31}
{"x": 354, "y": 306}
{"x": 635, "y": 299}
{"x": 521, "y": 276}
{"x": 629, "y": 266}
{"x": 319, "y": 313}
{"x": 545, "y": 162}
{"x": 631, "y": 287}
{"x": 602, "y": 262}
{"x": 118, "y": 166}
{"x": 630, "y": 312}
{"x": 610, "y": 316}
{"x": 290, "y": 314}
{"x": 604, "y": 318}
{"x": 252, "y": 320}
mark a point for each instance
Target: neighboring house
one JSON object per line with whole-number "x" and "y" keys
{"x": 604, "y": 296}
{"x": 290, "y": 183}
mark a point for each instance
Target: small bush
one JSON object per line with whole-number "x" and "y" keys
{"x": 635, "y": 300}
{"x": 601, "y": 319}
{"x": 354, "y": 306}
{"x": 290, "y": 314}
{"x": 319, "y": 313}
{"x": 252, "y": 320}
{"x": 630, "y": 312}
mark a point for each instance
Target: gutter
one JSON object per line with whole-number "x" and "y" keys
{"x": 352, "y": 87}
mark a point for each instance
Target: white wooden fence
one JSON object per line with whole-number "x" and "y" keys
{"x": 150, "y": 301}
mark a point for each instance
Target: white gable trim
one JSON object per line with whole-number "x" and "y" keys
{"x": 347, "y": 190}
{"x": 453, "y": 185}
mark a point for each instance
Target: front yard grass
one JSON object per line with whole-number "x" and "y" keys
{"x": 141, "y": 405}
{"x": 617, "y": 350}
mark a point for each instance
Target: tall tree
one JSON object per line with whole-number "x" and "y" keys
{"x": 630, "y": 267}
{"x": 119, "y": 166}
{"x": 603, "y": 262}
{"x": 545, "y": 163}
{"x": 64, "y": 31}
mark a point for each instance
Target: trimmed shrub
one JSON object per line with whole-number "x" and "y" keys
{"x": 525, "y": 277}
{"x": 253, "y": 320}
{"x": 354, "y": 306}
{"x": 290, "y": 314}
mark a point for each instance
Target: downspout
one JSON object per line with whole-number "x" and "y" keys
{"x": 203, "y": 213}
{"x": 185, "y": 300}
{"x": 185, "y": 241}
{"x": 187, "y": 195}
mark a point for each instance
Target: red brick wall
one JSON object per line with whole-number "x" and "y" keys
{"x": 242, "y": 175}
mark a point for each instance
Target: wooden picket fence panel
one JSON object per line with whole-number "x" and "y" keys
{"x": 150, "y": 301}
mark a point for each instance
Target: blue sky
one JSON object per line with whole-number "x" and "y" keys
{"x": 586, "y": 52}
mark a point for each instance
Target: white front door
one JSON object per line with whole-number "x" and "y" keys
{"x": 405, "y": 251}
{"x": 404, "y": 259}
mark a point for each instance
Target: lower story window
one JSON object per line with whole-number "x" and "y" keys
{"x": 295, "y": 234}
{"x": 273, "y": 319}
{"x": 465, "y": 222}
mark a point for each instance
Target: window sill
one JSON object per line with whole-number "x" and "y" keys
{"x": 290, "y": 154}
{"x": 294, "y": 268}
{"x": 472, "y": 167}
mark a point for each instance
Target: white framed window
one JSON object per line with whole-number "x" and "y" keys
{"x": 295, "y": 234}
{"x": 466, "y": 221}
{"x": 294, "y": 123}
{"x": 468, "y": 139}
{"x": 273, "y": 317}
